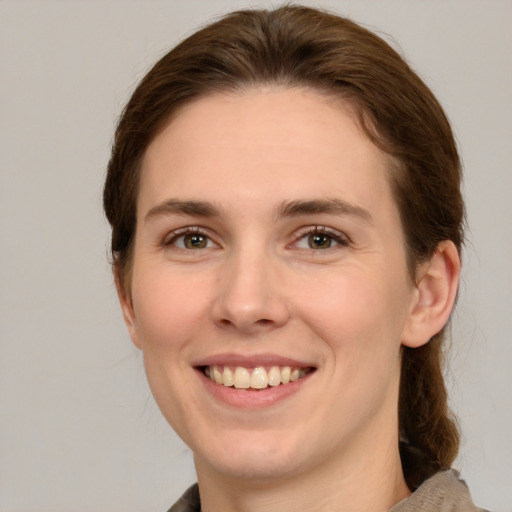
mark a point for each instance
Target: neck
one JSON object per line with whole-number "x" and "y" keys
{"x": 373, "y": 482}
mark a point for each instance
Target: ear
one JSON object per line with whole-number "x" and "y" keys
{"x": 435, "y": 292}
{"x": 125, "y": 299}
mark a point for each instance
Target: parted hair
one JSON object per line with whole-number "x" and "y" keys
{"x": 295, "y": 46}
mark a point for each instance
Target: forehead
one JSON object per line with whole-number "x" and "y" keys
{"x": 288, "y": 142}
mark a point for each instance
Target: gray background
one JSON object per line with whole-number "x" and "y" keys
{"x": 78, "y": 427}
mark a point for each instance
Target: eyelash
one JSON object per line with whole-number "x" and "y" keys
{"x": 339, "y": 238}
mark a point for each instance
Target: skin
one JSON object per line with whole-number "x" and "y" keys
{"x": 257, "y": 287}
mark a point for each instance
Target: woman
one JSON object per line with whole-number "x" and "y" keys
{"x": 284, "y": 195}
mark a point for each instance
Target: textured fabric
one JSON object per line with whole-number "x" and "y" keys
{"x": 189, "y": 502}
{"x": 444, "y": 492}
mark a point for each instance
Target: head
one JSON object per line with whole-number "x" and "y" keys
{"x": 295, "y": 48}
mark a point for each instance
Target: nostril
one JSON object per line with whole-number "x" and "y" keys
{"x": 264, "y": 321}
{"x": 246, "y": 324}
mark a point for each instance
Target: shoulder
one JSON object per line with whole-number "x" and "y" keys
{"x": 443, "y": 492}
{"x": 189, "y": 501}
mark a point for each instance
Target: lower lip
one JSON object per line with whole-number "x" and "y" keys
{"x": 249, "y": 399}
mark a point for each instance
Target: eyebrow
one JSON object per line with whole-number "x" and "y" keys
{"x": 175, "y": 206}
{"x": 333, "y": 206}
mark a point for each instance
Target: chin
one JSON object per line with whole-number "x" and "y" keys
{"x": 254, "y": 457}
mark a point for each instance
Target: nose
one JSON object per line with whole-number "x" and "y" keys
{"x": 251, "y": 295}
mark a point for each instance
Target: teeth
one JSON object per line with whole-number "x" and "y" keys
{"x": 274, "y": 376}
{"x": 293, "y": 377}
{"x": 257, "y": 378}
{"x": 242, "y": 378}
{"x": 285, "y": 375}
{"x": 217, "y": 375}
{"x": 228, "y": 379}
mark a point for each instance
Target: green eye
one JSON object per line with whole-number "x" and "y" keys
{"x": 319, "y": 241}
{"x": 195, "y": 241}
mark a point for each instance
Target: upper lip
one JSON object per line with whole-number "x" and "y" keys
{"x": 252, "y": 361}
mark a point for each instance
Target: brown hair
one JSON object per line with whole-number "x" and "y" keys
{"x": 298, "y": 46}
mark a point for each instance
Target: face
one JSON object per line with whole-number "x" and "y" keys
{"x": 269, "y": 255}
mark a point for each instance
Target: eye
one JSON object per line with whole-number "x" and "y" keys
{"x": 319, "y": 241}
{"x": 193, "y": 241}
{"x": 320, "y": 238}
{"x": 189, "y": 239}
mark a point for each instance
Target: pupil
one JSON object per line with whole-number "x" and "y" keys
{"x": 318, "y": 241}
{"x": 195, "y": 241}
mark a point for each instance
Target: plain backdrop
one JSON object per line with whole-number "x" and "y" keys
{"x": 78, "y": 427}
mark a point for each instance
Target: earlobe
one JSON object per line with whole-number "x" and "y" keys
{"x": 437, "y": 282}
{"x": 126, "y": 302}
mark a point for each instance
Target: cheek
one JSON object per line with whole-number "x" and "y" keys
{"x": 357, "y": 321}
{"x": 341, "y": 305}
{"x": 359, "y": 317}
{"x": 168, "y": 307}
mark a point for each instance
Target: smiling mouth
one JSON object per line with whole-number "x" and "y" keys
{"x": 254, "y": 379}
